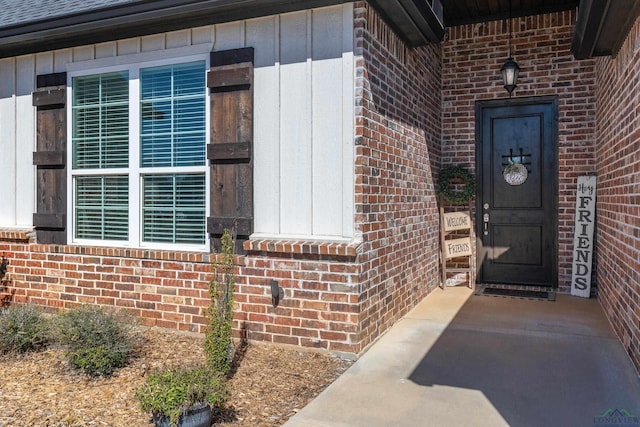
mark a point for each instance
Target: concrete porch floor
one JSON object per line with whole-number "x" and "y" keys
{"x": 464, "y": 360}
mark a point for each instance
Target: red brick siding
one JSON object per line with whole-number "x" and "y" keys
{"x": 472, "y": 57}
{"x": 320, "y": 283}
{"x": 397, "y": 155}
{"x": 167, "y": 289}
{"x": 171, "y": 289}
{"x": 618, "y": 203}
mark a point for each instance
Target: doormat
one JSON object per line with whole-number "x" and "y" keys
{"x": 516, "y": 292}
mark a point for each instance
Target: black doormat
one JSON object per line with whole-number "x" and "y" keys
{"x": 511, "y": 292}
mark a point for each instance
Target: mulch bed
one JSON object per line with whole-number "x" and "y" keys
{"x": 269, "y": 385}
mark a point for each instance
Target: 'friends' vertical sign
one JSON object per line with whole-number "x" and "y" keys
{"x": 583, "y": 236}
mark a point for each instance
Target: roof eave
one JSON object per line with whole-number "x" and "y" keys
{"x": 415, "y": 21}
{"x": 602, "y": 26}
{"x": 138, "y": 19}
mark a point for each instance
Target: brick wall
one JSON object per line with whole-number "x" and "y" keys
{"x": 472, "y": 57}
{"x": 171, "y": 289}
{"x": 618, "y": 203}
{"x": 165, "y": 289}
{"x": 397, "y": 157}
{"x": 320, "y": 281}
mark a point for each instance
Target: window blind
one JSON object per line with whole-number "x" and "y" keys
{"x": 173, "y": 208}
{"x": 100, "y": 132}
{"x": 173, "y": 115}
{"x": 101, "y": 207}
{"x": 170, "y": 137}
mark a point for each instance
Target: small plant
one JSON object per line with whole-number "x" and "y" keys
{"x": 191, "y": 393}
{"x": 98, "y": 341}
{"x": 172, "y": 393}
{"x": 218, "y": 345}
{"x": 23, "y": 328}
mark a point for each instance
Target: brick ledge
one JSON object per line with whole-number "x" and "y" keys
{"x": 304, "y": 247}
{"x": 25, "y": 235}
{"x": 117, "y": 252}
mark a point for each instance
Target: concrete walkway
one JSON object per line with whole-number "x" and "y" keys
{"x": 464, "y": 360}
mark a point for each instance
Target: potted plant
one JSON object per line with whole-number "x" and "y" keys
{"x": 189, "y": 397}
{"x": 183, "y": 397}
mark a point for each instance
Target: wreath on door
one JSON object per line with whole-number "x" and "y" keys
{"x": 445, "y": 189}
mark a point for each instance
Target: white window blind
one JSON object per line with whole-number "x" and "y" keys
{"x": 101, "y": 121}
{"x": 174, "y": 208}
{"x": 173, "y": 115}
{"x": 101, "y": 209}
{"x": 161, "y": 199}
{"x": 173, "y": 134}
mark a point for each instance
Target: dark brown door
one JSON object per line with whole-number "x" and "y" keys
{"x": 517, "y": 221}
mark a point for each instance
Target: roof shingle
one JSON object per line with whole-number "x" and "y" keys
{"x": 20, "y": 12}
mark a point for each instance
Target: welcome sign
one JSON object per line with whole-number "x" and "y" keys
{"x": 583, "y": 236}
{"x": 456, "y": 221}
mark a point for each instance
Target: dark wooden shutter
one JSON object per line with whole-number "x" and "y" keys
{"x": 230, "y": 150}
{"x": 50, "y": 158}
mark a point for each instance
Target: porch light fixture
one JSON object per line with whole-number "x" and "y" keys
{"x": 510, "y": 68}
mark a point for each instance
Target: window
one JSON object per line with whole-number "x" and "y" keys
{"x": 138, "y": 156}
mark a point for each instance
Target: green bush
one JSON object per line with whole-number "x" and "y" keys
{"x": 23, "y": 328}
{"x": 171, "y": 393}
{"x": 218, "y": 344}
{"x": 98, "y": 341}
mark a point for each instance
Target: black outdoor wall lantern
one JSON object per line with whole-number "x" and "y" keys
{"x": 3, "y": 266}
{"x": 510, "y": 68}
{"x": 277, "y": 293}
{"x": 509, "y": 72}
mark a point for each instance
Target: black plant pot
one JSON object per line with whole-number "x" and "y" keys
{"x": 197, "y": 416}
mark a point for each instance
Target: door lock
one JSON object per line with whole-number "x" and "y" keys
{"x": 485, "y": 220}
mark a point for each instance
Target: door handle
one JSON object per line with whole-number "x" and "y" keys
{"x": 485, "y": 221}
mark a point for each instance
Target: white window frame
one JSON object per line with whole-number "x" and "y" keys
{"x": 134, "y": 171}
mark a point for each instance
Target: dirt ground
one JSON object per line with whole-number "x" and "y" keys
{"x": 269, "y": 386}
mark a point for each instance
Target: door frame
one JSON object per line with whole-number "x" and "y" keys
{"x": 552, "y": 101}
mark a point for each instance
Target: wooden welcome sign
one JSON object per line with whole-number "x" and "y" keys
{"x": 454, "y": 221}
{"x": 455, "y": 241}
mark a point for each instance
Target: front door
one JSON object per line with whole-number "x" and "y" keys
{"x": 517, "y": 191}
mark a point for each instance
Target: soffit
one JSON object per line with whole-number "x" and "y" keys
{"x": 459, "y": 12}
{"x": 602, "y": 26}
{"x": 600, "y": 29}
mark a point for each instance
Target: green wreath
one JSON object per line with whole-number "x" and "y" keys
{"x": 444, "y": 189}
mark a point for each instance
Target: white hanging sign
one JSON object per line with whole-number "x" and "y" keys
{"x": 583, "y": 236}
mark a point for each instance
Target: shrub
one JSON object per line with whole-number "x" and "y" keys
{"x": 23, "y": 328}
{"x": 98, "y": 341}
{"x": 172, "y": 392}
{"x": 218, "y": 345}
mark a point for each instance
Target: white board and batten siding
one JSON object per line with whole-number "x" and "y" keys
{"x": 17, "y": 142}
{"x": 303, "y": 115}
